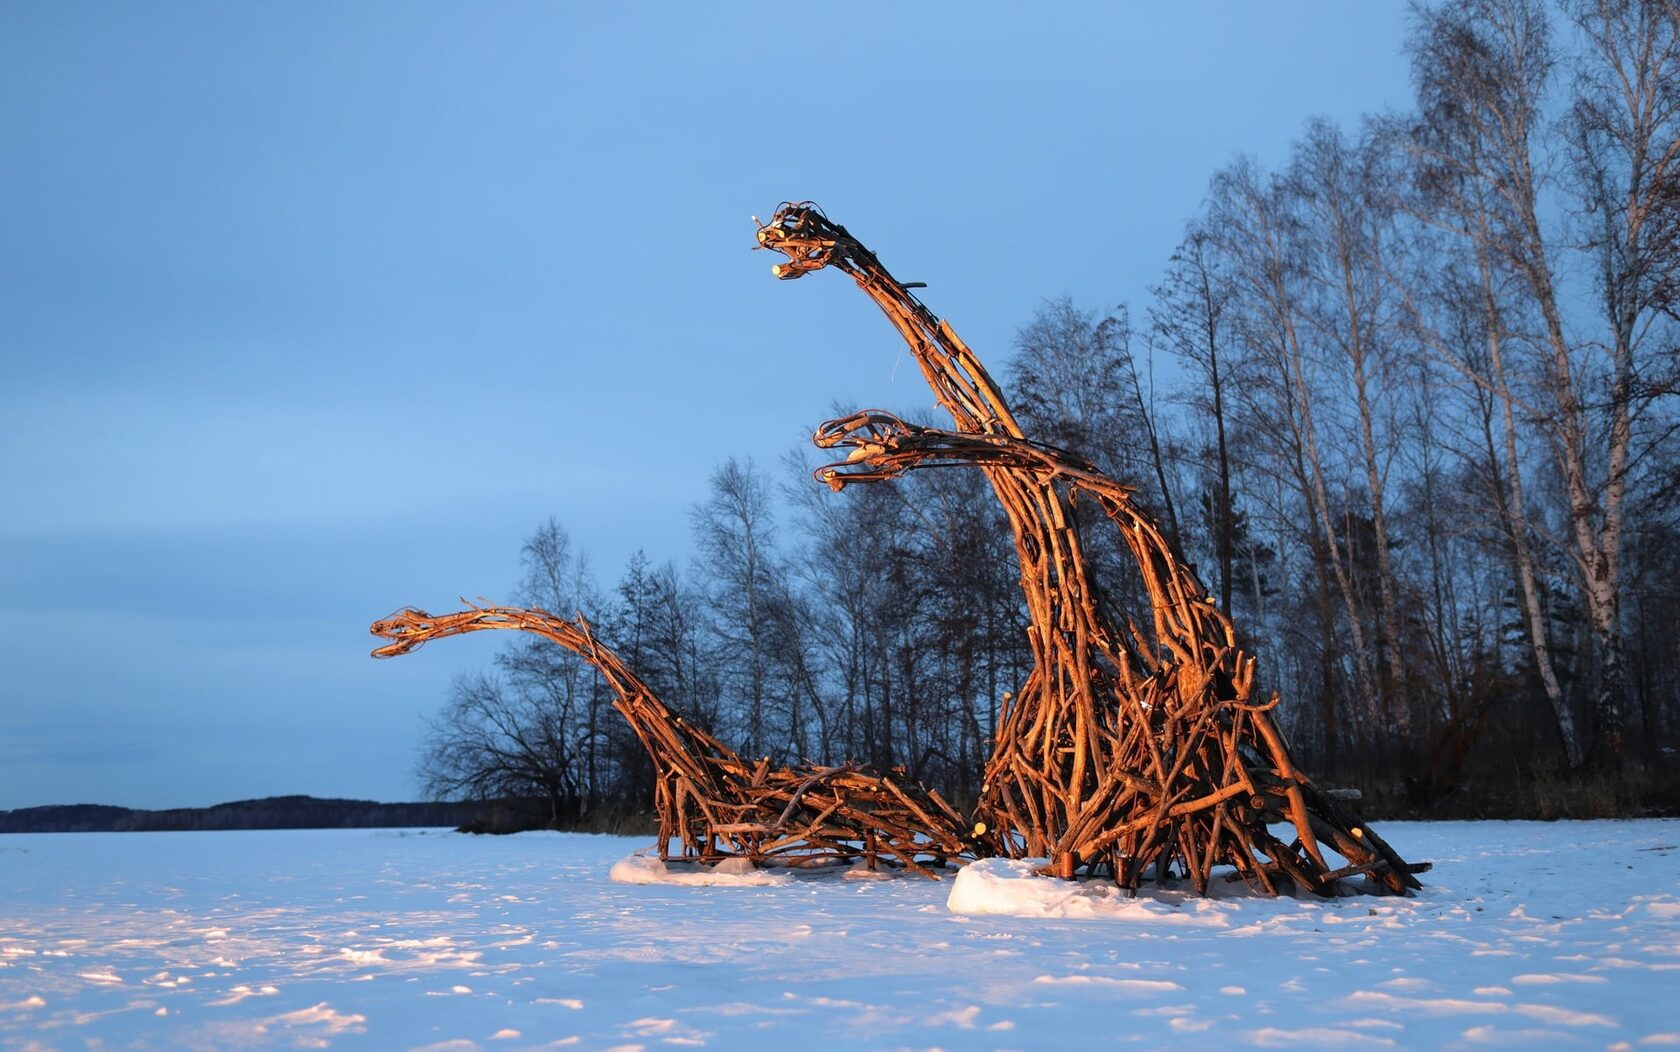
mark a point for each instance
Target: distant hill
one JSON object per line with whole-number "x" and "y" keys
{"x": 275, "y": 812}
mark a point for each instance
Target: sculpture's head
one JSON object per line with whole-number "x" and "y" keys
{"x": 803, "y": 234}
{"x": 877, "y": 440}
{"x": 882, "y": 446}
{"x": 407, "y": 629}
{"x": 864, "y": 430}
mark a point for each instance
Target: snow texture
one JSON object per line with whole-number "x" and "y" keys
{"x": 643, "y": 868}
{"x": 1528, "y": 935}
{"x": 1004, "y": 887}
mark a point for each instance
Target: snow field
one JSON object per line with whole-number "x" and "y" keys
{"x": 1528, "y": 935}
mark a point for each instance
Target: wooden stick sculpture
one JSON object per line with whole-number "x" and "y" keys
{"x": 1125, "y": 753}
{"x": 1122, "y": 753}
{"x": 710, "y": 800}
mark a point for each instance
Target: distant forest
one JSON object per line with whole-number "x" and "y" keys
{"x": 1421, "y": 447}
{"x": 272, "y": 812}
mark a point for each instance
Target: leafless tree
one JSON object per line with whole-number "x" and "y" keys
{"x": 1188, "y": 318}
{"x": 492, "y": 743}
{"x": 738, "y": 560}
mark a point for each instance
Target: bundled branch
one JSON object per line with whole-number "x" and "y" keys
{"x": 709, "y": 800}
{"x": 1125, "y": 753}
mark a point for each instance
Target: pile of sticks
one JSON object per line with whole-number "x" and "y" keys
{"x": 709, "y": 800}
{"x": 1129, "y": 751}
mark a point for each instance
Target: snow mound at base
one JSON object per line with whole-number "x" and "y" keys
{"x": 738, "y": 872}
{"x": 1011, "y": 888}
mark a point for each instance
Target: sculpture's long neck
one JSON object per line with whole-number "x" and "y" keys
{"x": 960, "y": 383}
{"x": 670, "y": 741}
{"x": 1069, "y": 637}
{"x": 1040, "y": 516}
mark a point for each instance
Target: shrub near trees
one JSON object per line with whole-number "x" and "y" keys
{"x": 1420, "y": 443}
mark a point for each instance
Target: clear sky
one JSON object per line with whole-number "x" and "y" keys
{"x": 309, "y": 311}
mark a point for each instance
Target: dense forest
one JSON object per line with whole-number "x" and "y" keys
{"x": 1419, "y": 442}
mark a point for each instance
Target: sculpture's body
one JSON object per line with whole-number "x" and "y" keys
{"x": 1189, "y": 770}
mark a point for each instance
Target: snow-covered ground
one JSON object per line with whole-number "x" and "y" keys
{"x": 1528, "y": 934}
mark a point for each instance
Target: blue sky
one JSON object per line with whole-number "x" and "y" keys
{"x": 310, "y": 311}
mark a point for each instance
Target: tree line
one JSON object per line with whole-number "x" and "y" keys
{"x": 1419, "y": 441}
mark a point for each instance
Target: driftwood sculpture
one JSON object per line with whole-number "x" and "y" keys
{"x": 1128, "y": 752}
{"x": 1124, "y": 753}
{"x": 709, "y": 800}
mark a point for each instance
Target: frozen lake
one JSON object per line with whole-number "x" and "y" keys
{"x": 1528, "y": 934}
